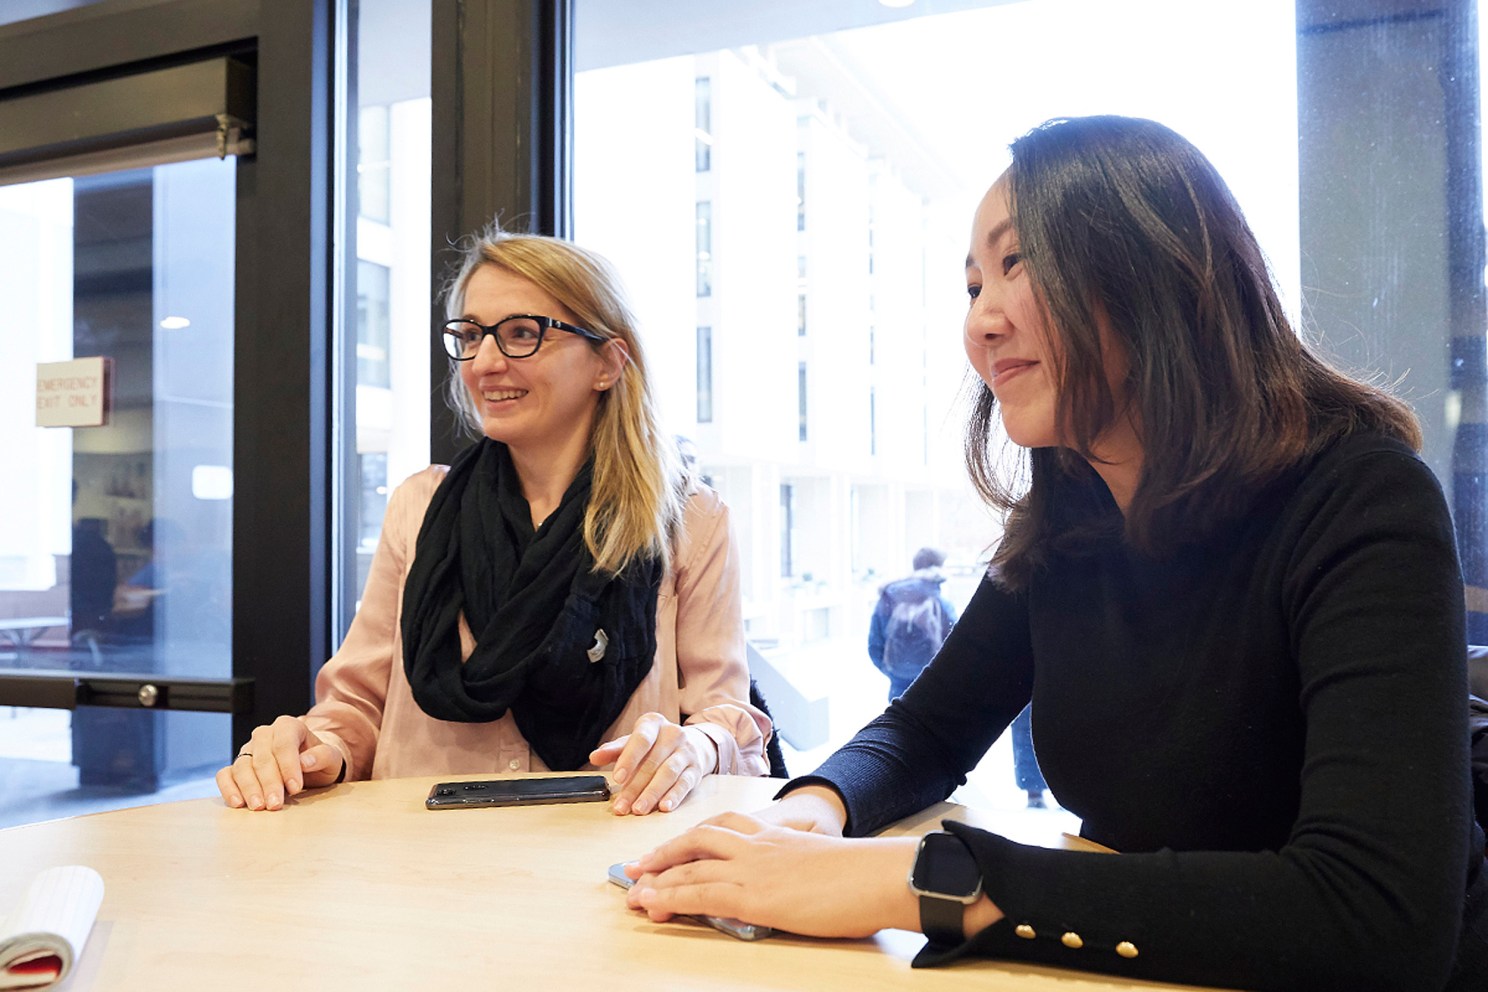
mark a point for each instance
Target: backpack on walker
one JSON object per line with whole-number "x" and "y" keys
{"x": 915, "y": 630}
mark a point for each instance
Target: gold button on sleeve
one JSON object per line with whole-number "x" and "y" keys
{"x": 1126, "y": 949}
{"x": 1072, "y": 940}
{"x": 1025, "y": 931}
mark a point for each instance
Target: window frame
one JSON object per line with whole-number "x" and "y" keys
{"x": 283, "y": 282}
{"x": 502, "y": 109}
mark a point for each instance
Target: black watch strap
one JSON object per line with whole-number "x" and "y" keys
{"x": 943, "y": 920}
{"x": 946, "y": 879}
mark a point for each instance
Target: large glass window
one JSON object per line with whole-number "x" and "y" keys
{"x": 817, "y": 110}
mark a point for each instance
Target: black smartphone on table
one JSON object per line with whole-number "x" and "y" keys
{"x": 729, "y": 925}
{"x": 518, "y": 792}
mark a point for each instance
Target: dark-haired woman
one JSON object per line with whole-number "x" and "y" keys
{"x": 1230, "y": 590}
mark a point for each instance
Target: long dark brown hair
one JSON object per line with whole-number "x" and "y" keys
{"x": 1122, "y": 221}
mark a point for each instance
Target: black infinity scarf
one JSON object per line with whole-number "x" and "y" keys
{"x": 559, "y": 644}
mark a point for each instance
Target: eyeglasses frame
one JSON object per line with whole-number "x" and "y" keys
{"x": 544, "y": 325}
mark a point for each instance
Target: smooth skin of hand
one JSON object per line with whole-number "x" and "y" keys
{"x": 656, "y": 765}
{"x": 817, "y": 809}
{"x": 281, "y": 759}
{"x": 804, "y": 882}
{"x": 788, "y": 867}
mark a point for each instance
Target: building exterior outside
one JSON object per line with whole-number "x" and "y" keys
{"x": 831, "y": 426}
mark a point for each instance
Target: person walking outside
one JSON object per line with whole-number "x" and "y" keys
{"x": 911, "y": 620}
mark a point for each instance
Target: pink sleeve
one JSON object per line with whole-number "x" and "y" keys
{"x": 351, "y": 689}
{"x": 712, "y": 667}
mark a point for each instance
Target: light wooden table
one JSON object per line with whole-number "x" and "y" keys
{"x": 359, "y": 887}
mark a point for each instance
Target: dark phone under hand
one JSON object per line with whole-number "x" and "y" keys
{"x": 729, "y": 925}
{"x": 518, "y": 792}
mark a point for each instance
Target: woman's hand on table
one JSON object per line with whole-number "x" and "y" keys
{"x": 657, "y": 764}
{"x": 817, "y": 809}
{"x": 280, "y": 760}
{"x": 804, "y": 882}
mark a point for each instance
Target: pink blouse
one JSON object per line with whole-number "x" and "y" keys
{"x": 366, "y": 710}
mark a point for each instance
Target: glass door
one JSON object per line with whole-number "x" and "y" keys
{"x": 116, "y": 430}
{"x": 169, "y": 308}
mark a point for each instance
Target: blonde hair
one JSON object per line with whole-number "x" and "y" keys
{"x": 636, "y": 502}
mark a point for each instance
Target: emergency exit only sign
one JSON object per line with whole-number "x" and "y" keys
{"x": 74, "y": 394}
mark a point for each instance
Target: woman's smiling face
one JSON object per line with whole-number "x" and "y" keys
{"x": 546, "y": 399}
{"x": 1012, "y": 345}
{"x": 1006, "y": 335}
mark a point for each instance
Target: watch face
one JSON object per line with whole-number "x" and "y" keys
{"x": 945, "y": 866}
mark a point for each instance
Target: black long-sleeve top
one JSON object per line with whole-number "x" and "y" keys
{"x": 1271, "y": 726}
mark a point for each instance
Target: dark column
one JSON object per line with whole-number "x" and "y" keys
{"x": 502, "y": 120}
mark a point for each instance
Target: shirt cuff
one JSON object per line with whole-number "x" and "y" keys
{"x": 718, "y": 736}
{"x": 335, "y": 741}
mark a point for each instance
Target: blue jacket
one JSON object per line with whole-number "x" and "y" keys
{"x": 920, "y": 585}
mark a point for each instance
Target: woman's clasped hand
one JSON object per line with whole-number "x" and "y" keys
{"x": 280, "y": 760}
{"x": 786, "y": 866}
{"x": 656, "y": 765}
{"x": 749, "y": 868}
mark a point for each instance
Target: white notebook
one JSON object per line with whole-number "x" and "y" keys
{"x": 43, "y": 935}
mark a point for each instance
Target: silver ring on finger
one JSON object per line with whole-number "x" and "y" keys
{"x": 244, "y": 754}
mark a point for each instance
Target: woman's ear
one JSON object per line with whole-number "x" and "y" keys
{"x": 614, "y": 355}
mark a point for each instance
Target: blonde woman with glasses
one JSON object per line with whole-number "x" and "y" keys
{"x": 562, "y": 596}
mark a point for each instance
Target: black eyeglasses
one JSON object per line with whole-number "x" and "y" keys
{"x": 518, "y": 336}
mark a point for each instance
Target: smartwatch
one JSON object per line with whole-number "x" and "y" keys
{"x": 947, "y": 880}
